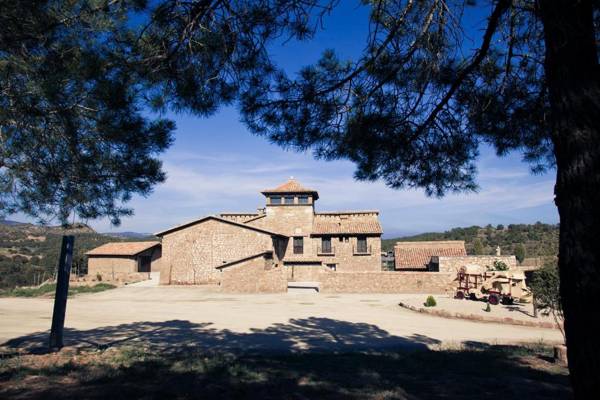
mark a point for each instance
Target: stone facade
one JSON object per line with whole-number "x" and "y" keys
{"x": 191, "y": 254}
{"x": 260, "y": 274}
{"x": 110, "y": 267}
{"x": 453, "y": 264}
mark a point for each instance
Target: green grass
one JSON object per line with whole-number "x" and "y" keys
{"x": 50, "y": 289}
{"x": 516, "y": 372}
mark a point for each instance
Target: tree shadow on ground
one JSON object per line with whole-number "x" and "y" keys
{"x": 311, "y": 334}
{"x": 311, "y": 358}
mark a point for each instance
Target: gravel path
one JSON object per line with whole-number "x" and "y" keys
{"x": 168, "y": 316}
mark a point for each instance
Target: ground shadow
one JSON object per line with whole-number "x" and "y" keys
{"x": 310, "y": 358}
{"x": 307, "y": 334}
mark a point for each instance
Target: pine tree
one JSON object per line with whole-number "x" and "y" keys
{"x": 520, "y": 252}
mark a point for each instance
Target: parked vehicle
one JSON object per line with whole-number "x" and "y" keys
{"x": 476, "y": 283}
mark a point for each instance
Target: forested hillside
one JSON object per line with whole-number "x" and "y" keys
{"x": 533, "y": 240}
{"x": 29, "y": 253}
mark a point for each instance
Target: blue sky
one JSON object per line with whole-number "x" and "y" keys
{"x": 216, "y": 165}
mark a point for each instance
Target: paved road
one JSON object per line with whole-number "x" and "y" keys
{"x": 167, "y": 316}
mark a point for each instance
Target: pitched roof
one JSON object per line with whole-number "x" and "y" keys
{"x": 291, "y": 186}
{"x": 227, "y": 221}
{"x": 346, "y": 226}
{"x": 122, "y": 248}
{"x": 418, "y": 254}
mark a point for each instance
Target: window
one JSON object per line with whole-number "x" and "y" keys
{"x": 289, "y": 199}
{"x": 361, "y": 244}
{"x": 331, "y": 266}
{"x": 275, "y": 199}
{"x": 303, "y": 199}
{"x": 326, "y": 245}
{"x": 298, "y": 245}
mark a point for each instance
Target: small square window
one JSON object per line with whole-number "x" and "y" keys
{"x": 303, "y": 199}
{"x": 289, "y": 199}
{"x": 275, "y": 199}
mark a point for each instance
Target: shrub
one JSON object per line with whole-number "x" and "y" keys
{"x": 430, "y": 302}
{"x": 545, "y": 287}
{"x": 500, "y": 266}
{"x": 520, "y": 252}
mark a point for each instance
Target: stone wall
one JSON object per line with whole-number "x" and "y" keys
{"x": 256, "y": 275}
{"x": 453, "y": 264}
{"x": 191, "y": 254}
{"x": 289, "y": 220}
{"x": 304, "y": 272}
{"x": 386, "y": 282}
{"x": 111, "y": 267}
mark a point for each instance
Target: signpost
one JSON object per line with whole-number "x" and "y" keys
{"x": 62, "y": 290}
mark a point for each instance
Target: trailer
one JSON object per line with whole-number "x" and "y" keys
{"x": 495, "y": 287}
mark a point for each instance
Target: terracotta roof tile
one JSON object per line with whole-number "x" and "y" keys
{"x": 346, "y": 226}
{"x": 291, "y": 186}
{"x": 121, "y": 248}
{"x": 410, "y": 255}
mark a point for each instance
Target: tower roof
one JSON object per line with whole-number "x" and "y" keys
{"x": 291, "y": 186}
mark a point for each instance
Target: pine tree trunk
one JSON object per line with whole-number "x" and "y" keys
{"x": 572, "y": 75}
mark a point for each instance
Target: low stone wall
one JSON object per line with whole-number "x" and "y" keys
{"x": 116, "y": 277}
{"x": 480, "y": 318}
{"x": 386, "y": 282}
{"x": 256, "y": 275}
{"x": 453, "y": 264}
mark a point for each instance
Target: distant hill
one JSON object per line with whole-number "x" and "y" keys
{"x": 9, "y": 222}
{"x": 131, "y": 235}
{"x": 539, "y": 239}
{"x": 29, "y": 253}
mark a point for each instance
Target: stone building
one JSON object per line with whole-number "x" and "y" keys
{"x": 123, "y": 260}
{"x": 442, "y": 256}
{"x": 287, "y": 238}
{"x": 415, "y": 256}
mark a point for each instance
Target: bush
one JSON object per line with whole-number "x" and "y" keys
{"x": 500, "y": 266}
{"x": 520, "y": 252}
{"x": 430, "y": 302}
{"x": 545, "y": 287}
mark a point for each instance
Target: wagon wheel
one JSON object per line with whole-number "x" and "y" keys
{"x": 460, "y": 295}
{"x": 507, "y": 300}
{"x": 493, "y": 299}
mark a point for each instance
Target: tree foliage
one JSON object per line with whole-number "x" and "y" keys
{"x": 520, "y": 252}
{"x": 73, "y": 138}
{"x": 77, "y": 78}
{"x": 415, "y": 107}
{"x": 545, "y": 286}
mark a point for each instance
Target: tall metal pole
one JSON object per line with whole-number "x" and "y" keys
{"x": 62, "y": 290}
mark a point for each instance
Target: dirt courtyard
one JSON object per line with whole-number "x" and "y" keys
{"x": 200, "y": 316}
